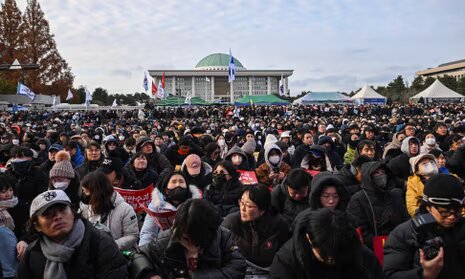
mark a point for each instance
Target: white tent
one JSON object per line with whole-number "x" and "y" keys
{"x": 438, "y": 92}
{"x": 368, "y": 95}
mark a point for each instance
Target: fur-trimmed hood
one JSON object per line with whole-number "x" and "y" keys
{"x": 159, "y": 203}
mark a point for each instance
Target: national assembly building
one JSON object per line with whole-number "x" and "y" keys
{"x": 209, "y": 80}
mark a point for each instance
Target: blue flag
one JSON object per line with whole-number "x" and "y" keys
{"x": 232, "y": 68}
{"x": 24, "y": 90}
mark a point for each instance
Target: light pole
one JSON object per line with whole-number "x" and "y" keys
{"x": 17, "y": 66}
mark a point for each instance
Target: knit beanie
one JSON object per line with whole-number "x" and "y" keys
{"x": 62, "y": 166}
{"x": 443, "y": 186}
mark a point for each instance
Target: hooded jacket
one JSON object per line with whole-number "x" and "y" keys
{"x": 224, "y": 197}
{"x": 237, "y": 150}
{"x": 264, "y": 170}
{"x": 400, "y": 165}
{"x": 77, "y": 159}
{"x": 122, "y": 222}
{"x": 258, "y": 240}
{"x": 392, "y": 149}
{"x": 287, "y": 206}
{"x": 202, "y": 180}
{"x": 347, "y": 178}
{"x": 377, "y": 211}
{"x": 319, "y": 182}
{"x": 43, "y": 154}
{"x": 295, "y": 260}
{"x": 150, "y": 229}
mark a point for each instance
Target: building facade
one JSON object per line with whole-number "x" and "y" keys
{"x": 455, "y": 69}
{"x": 209, "y": 80}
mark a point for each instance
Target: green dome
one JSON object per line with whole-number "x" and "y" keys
{"x": 217, "y": 61}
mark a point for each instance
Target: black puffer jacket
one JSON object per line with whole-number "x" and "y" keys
{"x": 387, "y": 205}
{"x": 163, "y": 255}
{"x": 96, "y": 257}
{"x": 160, "y": 164}
{"x": 295, "y": 260}
{"x": 89, "y": 166}
{"x": 402, "y": 259}
{"x": 26, "y": 189}
{"x": 225, "y": 197}
{"x": 259, "y": 240}
{"x": 319, "y": 182}
{"x": 135, "y": 180}
{"x": 285, "y": 205}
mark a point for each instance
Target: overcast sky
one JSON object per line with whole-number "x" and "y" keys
{"x": 331, "y": 45}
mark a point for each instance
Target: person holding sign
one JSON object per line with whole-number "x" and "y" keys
{"x": 273, "y": 171}
{"x": 166, "y": 198}
{"x": 225, "y": 189}
{"x": 102, "y": 205}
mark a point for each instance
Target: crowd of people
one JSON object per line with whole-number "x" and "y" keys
{"x": 320, "y": 191}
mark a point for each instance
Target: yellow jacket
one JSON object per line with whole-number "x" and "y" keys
{"x": 414, "y": 191}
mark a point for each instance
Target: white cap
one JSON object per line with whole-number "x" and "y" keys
{"x": 47, "y": 199}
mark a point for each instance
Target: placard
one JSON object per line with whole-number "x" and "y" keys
{"x": 247, "y": 177}
{"x": 136, "y": 197}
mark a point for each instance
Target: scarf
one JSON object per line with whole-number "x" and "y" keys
{"x": 59, "y": 253}
{"x": 5, "y": 217}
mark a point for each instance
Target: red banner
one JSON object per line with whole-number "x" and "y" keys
{"x": 378, "y": 247}
{"x": 247, "y": 177}
{"x": 164, "y": 220}
{"x": 313, "y": 172}
{"x": 136, "y": 197}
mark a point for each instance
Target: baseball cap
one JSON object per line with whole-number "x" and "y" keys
{"x": 111, "y": 164}
{"x": 193, "y": 164}
{"x": 46, "y": 199}
{"x": 56, "y": 147}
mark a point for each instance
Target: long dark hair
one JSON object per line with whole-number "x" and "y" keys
{"x": 198, "y": 219}
{"x": 101, "y": 192}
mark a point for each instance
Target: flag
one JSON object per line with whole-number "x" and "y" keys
{"x": 161, "y": 90}
{"x": 114, "y": 103}
{"x": 163, "y": 80}
{"x": 145, "y": 83}
{"x": 188, "y": 98}
{"x": 70, "y": 95}
{"x": 25, "y": 91}
{"x": 281, "y": 87}
{"x": 232, "y": 68}
{"x": 88, "y": 95}
{"x": 154, "y": 88}
{"x": 54, "y": 102}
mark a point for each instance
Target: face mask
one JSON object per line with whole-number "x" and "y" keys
{"x": 183, "y": 151}
{"x": 15, "y": 141}
{"x": 430, "y": 141}
{"x": 274, "y": 159}
{"x": 85, "y": 199}
{"x": 121, "y": 138}
{"x": 21, "y": 167}
{"x": 177, "y": 195}
{"x": 334, "y": 139}
{"x": 236, "y": 159}
{"x": 221, "y": 142}
{"x": 61, "y": 185}
{"x": 428, "y": 169}
{"x": 380, "y": 181}
{"x": 218, "y": 180}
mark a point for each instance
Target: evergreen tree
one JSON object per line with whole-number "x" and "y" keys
{"x": 428, "y": 81}
{"x": 417, "y": 85}
{"x": 10, "y": 39}
{"x": 39, "y": 47}
{"x": 449, "y": 82}
{"x": 461, "y": 86}
{"x": 397, "y": 89}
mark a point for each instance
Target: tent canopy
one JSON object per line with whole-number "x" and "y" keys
{"x": 174, "y": 101}
{"x": 368, "y": 95}
{"x": 261, "y": 100}
{"x": 437, "y": 90}
{"x": 323, "y": 98}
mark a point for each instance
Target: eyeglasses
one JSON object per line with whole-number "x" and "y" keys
{"x": 248, "y": 206}
{"x": 445, "y": 212}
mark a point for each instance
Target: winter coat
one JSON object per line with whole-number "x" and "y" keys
{"x": 456, "y": 164}
{"x": 26, "y": 189}
{"x": 347, "y": 178}
{"x": 295, "y": 260}
{"x": 176, "y": 159}
{"x": 392, "y": 149}
{"x": 285, "y": 205}
{"x": 202, "y": 180}
{"x": 350, "y": 154}
{"x": 264, "y": 170}
{"x": 150, "y": 229}
{"x": 121, "y": 221}
{"x": 319, "y": 182}
{"x": 96, "y": 257}
{"x": 77, "y": 159}
{"x": 258, "y": 240}
{"x": 245, "y": 160}
{"x": 163, "y": 255}
{"x": 89, "y": 166}
{"x": 134, "y": 180}
{"x": 415, "y": 189}
{"x": 402, "y": 259}
{"x": 400, "y": 165}
{"x": 160, "y": 164}
{"x": 224, "y": 197}
{"x": 46, "y": 166}
{"x": 73, "y": 191}
{"x": 299, "y": 155}
{"x": 387, "y": 208}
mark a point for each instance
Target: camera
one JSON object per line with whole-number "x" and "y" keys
{"x": 424, "y": 228}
